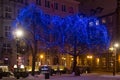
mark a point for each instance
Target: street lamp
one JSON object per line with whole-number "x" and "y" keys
{"x": 116, "y": 45}
{"x": 114, "y": 50}
{"x": 41, "y": 57}
{"x": 18, "y": 34}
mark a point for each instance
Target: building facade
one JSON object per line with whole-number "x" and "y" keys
{"x": 8, "y": 48}
{"x": 108, "y": 12}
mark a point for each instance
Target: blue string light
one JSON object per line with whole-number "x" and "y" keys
{"x": 88, "y": 30}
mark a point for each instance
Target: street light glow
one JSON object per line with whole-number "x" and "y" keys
{"x": 116, "y": 45}
{"x": 111, "y": 48}
{"x": 89, "y": 57}
{"x": 41, "y": 56}
{"x": 19, "y": 33}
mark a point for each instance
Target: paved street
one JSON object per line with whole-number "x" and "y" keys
{"x": 91, "y": 76}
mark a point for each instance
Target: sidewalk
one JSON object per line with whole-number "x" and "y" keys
{"x": 89, "y": 76}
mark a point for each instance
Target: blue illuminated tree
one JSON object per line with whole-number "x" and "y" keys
{"x": 34, "y": 22}
{"x": 72, "y": 34}
{"x": 98, "y": 37}
{"x": 77, "y": 35}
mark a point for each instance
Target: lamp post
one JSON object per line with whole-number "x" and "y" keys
{"x": 114, "y": 50}
{"x": 116, "y": 45}
{"x": 18, "y": 34}
{"x": 41, "y": 57}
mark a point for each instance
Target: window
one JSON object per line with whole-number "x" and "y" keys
{"x": 103, "y": 20}
{"x": 47, "y": 3}
{"x": 110, "y": 19}
{"x": 12, "y": 0}
{"x": 7, "y": 28}
{"x": 38, "y": 2}
{"x": 8, "y": 9}
{"x": 6, "y": 61}
{"x": 21, "y": 1}
{"x": 56, "y": 6}
{"x": 8, "y": 12}
{"x": 7, "y": 31}
{"x": 92, "y": 11}
{"x": 8, "y": 15}
{"x": 7, "y": 34}
{"x": 6, "y": 48}
{"x": 6, "y": 45}
{"x": 104, "y": 62}
{"x": 71, "y": 10}
{"x": 63, "y": 8}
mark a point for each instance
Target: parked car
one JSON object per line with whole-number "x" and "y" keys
{"x": 4, "y": 72}
{"x": 52, "y": 69}
{"x": 46, "y": 69}
{"x": 20, "y": 72}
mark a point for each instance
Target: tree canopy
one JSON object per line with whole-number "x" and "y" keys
{"x": 86, "y": 33}
{"x": 88, "y": 30}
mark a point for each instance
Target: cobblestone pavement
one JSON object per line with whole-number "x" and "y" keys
{"x": 91, "y": 76}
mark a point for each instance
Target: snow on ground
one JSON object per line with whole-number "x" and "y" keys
{"x": 90, "y": 76}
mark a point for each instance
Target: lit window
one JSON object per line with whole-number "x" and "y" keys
{"x": 103, "y": 20}
{"x": 6, "y": 60}
{"x": 97, "y": 22}
{"x": 91, "y": 23}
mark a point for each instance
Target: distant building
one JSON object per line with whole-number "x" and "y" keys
{"x": 108, "y": 11}
{"x": 104, "y": 9}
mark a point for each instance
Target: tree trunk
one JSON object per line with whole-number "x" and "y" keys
{"x": 34, "y": 57}
{"x": 74, "y": 62}
{"x": 74, "y": 55}
{"x": 35, "y": 50}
